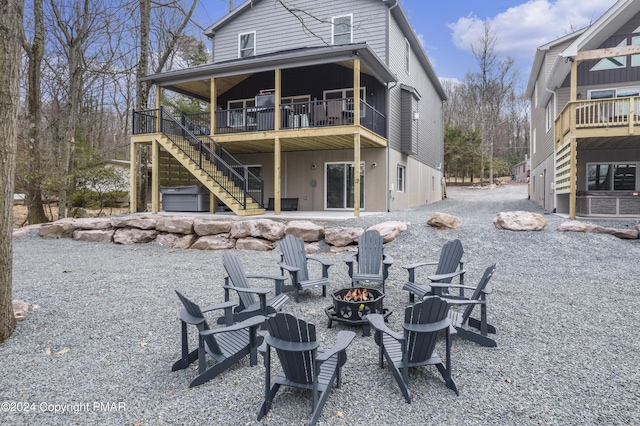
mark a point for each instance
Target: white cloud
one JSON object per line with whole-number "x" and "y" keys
{"x": 523, "y": 28}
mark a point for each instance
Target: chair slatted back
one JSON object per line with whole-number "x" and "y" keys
{"x": 450, "y": 257}
{"x": 238, "y": 278}
{"x": 194, "y": 310}
{"x": 370, "y": 252}
{"x": 432, "y": 309}
{"x": 297, "y": 366}
{"x": 294, "y": 254}
{"x": 477, "y": 293}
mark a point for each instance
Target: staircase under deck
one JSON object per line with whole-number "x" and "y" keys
{"x": 215, "y": 186}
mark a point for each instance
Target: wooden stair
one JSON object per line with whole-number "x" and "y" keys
{"x": 216, "y": 188}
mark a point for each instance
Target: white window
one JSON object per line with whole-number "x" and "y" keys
{"x": 612, "y": 63}
{"x": 535, "y": 95}
{"x": 246, "y": 44}
{"x": 550, "y": 113}
{"x": 401, "y": 178}
{"x": 342, "y": 29}
{"x": 407, "y": 56}
{"x": 533, "y": 140}
{"x": 635, "y": 59}
{"x": 241, "y": 113}
{"x": 347, "y": 98}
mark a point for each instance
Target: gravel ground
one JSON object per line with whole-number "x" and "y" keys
{"x": 106, "y": 332}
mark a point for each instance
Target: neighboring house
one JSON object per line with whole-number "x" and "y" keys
{"x": 344, "y": 106}
{"x": 520, "y": 171}
{"x": 585, "y": 118}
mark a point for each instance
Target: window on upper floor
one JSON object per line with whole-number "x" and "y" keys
{"x": 612, "y": 177}
{"x": 533, "y": 140}
{"x": 550, "y": 113}
{"x": 635, "y": 59}
{"x": 342, "y": 29}
{"x": 612, "y": 63}
{"x": 407, "y": 56}
{"x": 246, "y": 44}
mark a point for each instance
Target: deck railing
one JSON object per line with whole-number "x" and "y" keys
{"x": 600, "y": 113}
{"x": 210, "y": 157}
{"x": 296, "y": 115}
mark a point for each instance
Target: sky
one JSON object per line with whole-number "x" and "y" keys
{"x": 448, "y": 28}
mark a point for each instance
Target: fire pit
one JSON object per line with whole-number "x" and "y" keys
{"x": 351, "y": 305}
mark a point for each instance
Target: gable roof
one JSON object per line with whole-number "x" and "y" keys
{"x": 590, "y": 38}
{"x": 396, "y": 11}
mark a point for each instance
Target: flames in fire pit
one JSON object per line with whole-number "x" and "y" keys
{"x": 358, "y": 295}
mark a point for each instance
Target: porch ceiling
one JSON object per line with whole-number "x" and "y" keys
{"x": 299, "y": 140}
{"x": 613, "y": 142}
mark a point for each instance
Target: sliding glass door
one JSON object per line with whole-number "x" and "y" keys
{"x": 339, "y": 184}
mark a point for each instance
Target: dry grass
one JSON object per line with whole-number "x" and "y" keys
{"x": 20, "y": 213}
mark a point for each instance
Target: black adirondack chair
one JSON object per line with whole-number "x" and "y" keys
{"x": 423, "y": 322}
{"x": 372, "y": 264}
{"x": 449, "y": 267}
{"x": 226, "y": 345}
{"x": 249, "y": 305}
{"x": 303, "y": 365}
{"x": 462, "y": 321}
{"x": 294, "y": 260}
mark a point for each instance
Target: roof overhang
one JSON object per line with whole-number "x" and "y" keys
{"x": 194, "y": 81}
{"x": 592, "y": 38}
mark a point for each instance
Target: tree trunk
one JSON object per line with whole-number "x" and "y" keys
{"x": 10, "y": 42}
{"x": 34, "y": 177}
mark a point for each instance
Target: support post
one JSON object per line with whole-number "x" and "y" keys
{"x": 356, "y": 170}
{"x": 213, "y": 105}
{"x": 573, "y": 177}
{"x": 356, "y": 91}
{"x": 155, "y": 176}
{"x": 276, "y": 175}
{"x": 277, "y": 114}
{"x": 133, "y": 178}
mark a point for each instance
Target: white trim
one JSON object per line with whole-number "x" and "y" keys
{"x": 333, "y": 27}
{"x": 404, "y": 178}
{"x": 362, "y": 190}
{"x": 407, "y": 56}
{"x": 240, "y": 44}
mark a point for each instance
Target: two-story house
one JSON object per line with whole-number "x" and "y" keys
{"x": 331, "y": 104}
{"x": 585, "y": 118}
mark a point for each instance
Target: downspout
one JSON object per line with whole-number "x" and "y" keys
{"x": 388, "y": 104}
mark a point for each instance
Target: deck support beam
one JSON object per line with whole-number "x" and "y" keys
{"x": 133, "y": 178}
{"x": 356, "y": 172}
{"x": 155, "y": 176}
{"x": 276, "y": 174}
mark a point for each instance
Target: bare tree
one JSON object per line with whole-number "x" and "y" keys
{"x": 33, "y": 176}
{"x": 10, "y": 41}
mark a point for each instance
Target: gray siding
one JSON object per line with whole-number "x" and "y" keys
{"x": 277, "y": 29}
{"x": 430, "y": 128}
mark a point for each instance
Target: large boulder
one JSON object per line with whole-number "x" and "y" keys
{"x": 625, "y": 234}
{"x": 175, "y": 225}
{"x": 520, "y": 221}
{"x": 204, "y": 227}
{"x": 444, "y": 221}
{"x": 178, "y": 241}
{"x": 305, "y": 230}
{"x": 259, "y": 228}
{"x": 257, "y": 244}
{"x": 341, "y": 236}
{"x": 134, "y": 235}
{"x": 574, "y": 226}
{"x": 140, "y": 222}
{"x": 214, "y": 242}
{"x": 59, "y": 229}
{"x": 93, "y": 223}
{"x": 389, "y": 230}
{"x": 94, "y": 235}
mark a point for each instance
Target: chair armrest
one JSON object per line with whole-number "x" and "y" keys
{"x": 464, "y": 301}
{"x": 450, "y": 285}
{"x": 343, "y": 340}
{"x": 428, "y": 328}
{"x": 218, "y": 306}
{"x": 249, "y": 322}
{"x": 267, "y": 277}
{"x": 417, "y": 265}
{"x": 248, "y": 289}
{"x": 377, "y": 321}
{"x": 441, "y": 277}
{"x": 288, "y": 267}
{"x": 323, "y": 262}
{"x": 387, "y": 260}
{"x": 349, "y": 259}
{"x": 290, "y": 346}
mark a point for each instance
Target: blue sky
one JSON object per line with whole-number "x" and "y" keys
{"x": 448, "y": 27}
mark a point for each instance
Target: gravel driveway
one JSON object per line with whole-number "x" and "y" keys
{"x": 100, "y": 345}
